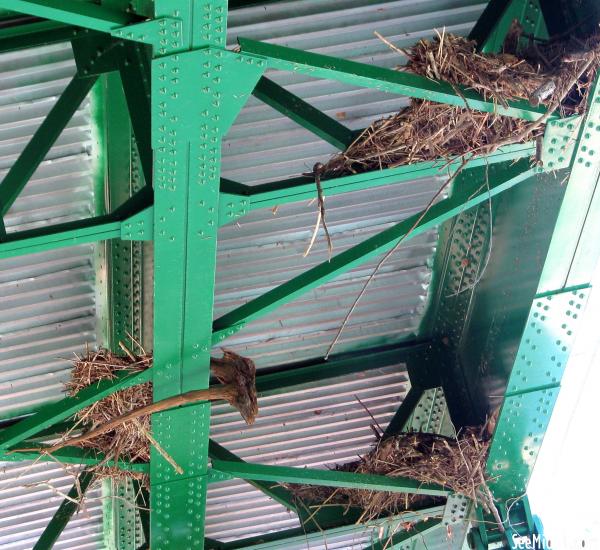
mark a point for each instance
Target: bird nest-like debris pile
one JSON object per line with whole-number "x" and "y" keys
{"x": 454, "y": 463}
{"x": 556, "y": 74}
{"x": 130, "y": 439}
{"x": 119, "y": 425}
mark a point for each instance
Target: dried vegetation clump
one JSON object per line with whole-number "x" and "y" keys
{"x": 556, "y": 74}
{"x": 454, "y": 463}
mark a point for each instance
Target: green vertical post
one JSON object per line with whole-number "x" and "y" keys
{"x": 196, "y": 92}
{"x": 186, "y": 172}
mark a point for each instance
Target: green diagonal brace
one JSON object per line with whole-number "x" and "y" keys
{"x": 303, "y": 113}
{"x": 71, "y": 234}
{"x": 473, "y": 192}
{"x": 327, "y": 478}
{"x": 65, "y": 511}
{"x": 398, "y": 540}
{"x": 403, "y": 412}
{"x": 238, "y": 199}
{"x": 55, "y": 412}
{"x": 134, "y": 68}
{"x": 279, "y": 494}
{"x": 43, "y": 139}
{"x": 72, "y": 455}
{"x": 71, "y": 12}
{"x": 387, "y": 80}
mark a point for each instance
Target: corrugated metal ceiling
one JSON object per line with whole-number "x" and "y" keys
{"x": 47, "y": 300}
{"x": 49, "y": 307}
{"x": 318, "y": 426}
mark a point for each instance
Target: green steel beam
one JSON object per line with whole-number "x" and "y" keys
{"x": 71, "y": 455}
{"x": 472, "y": 193}
{"x": 574, "y": 252}
{"x": 327, "y": 478}
{"x": 399, "y": 82}
{"x": 335, "y": 366}
{"x": 197, "y": 90}
{"x": 75, "y": 233}
{"x": 68, "y": 406}
{"x": 238, "y": 199}
{"x": 487, "y": 24}
{"x": 399, "y": 540}
{"x": 303, "y": 113}
{"x": 549, "y": 333}
{"x": 71, "y": 12}
{"x": 65, "y": 511}
{"x": 30, "y": 35}
{"x": 403, "y": 412}
{"x": 217, "y": 452}
{"x": 134, "y": 68}
{"x": 307, "y": 535}
{"x": 43, "y": 139}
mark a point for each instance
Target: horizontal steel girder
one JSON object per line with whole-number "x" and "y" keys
{"x": 387, "y": 80}
{"x": 71, "y": 12}
{"x": 327, "y": 478}
{"x": 238, "y": 199}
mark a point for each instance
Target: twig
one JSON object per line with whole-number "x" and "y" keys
{"x": 158, "y": 447}
{"x": 314, "y": 234}
{"x": 371, "y": 415}
{"x": 390, "y": 44}
{"x": 318, "y": 170}
{"x": 390, "y": 252}
{"x": 214, "y": 393}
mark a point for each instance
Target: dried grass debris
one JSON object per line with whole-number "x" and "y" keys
{"x": 557, "y": 74}
{"x": 454, "y": 463}
{"x": 119, "y": 425}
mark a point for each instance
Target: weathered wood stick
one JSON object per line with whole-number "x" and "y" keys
{"x": 227, "y": 393}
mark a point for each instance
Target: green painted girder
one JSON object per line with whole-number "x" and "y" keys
{"x": 55, "y": 412}
{"x": 387, "y": 80}
{"x": 327, "y": 478}
{"x": 71, "y": 455}
{"x": 574, "y": 251}
{"x": 77, "y": 232}
{"x": 306, "y": 372}
{"x": 306, "y": 535}
{"x": 279, "y": 494}
{"x": 197, "y": 90}
{"x": 402, "y": 414}
{"x": 533, "y": 388}
{"x": 238, "y": 199}
{"x": 303, "y": 113}
{"x": 72, "y": 12}
{"x": 65, "y": 511}
{"x": 398, "y": 540}
{"x": 473, "y": 192}
{"x": 43, "y": 139}
{"x": 39, "y": 33}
